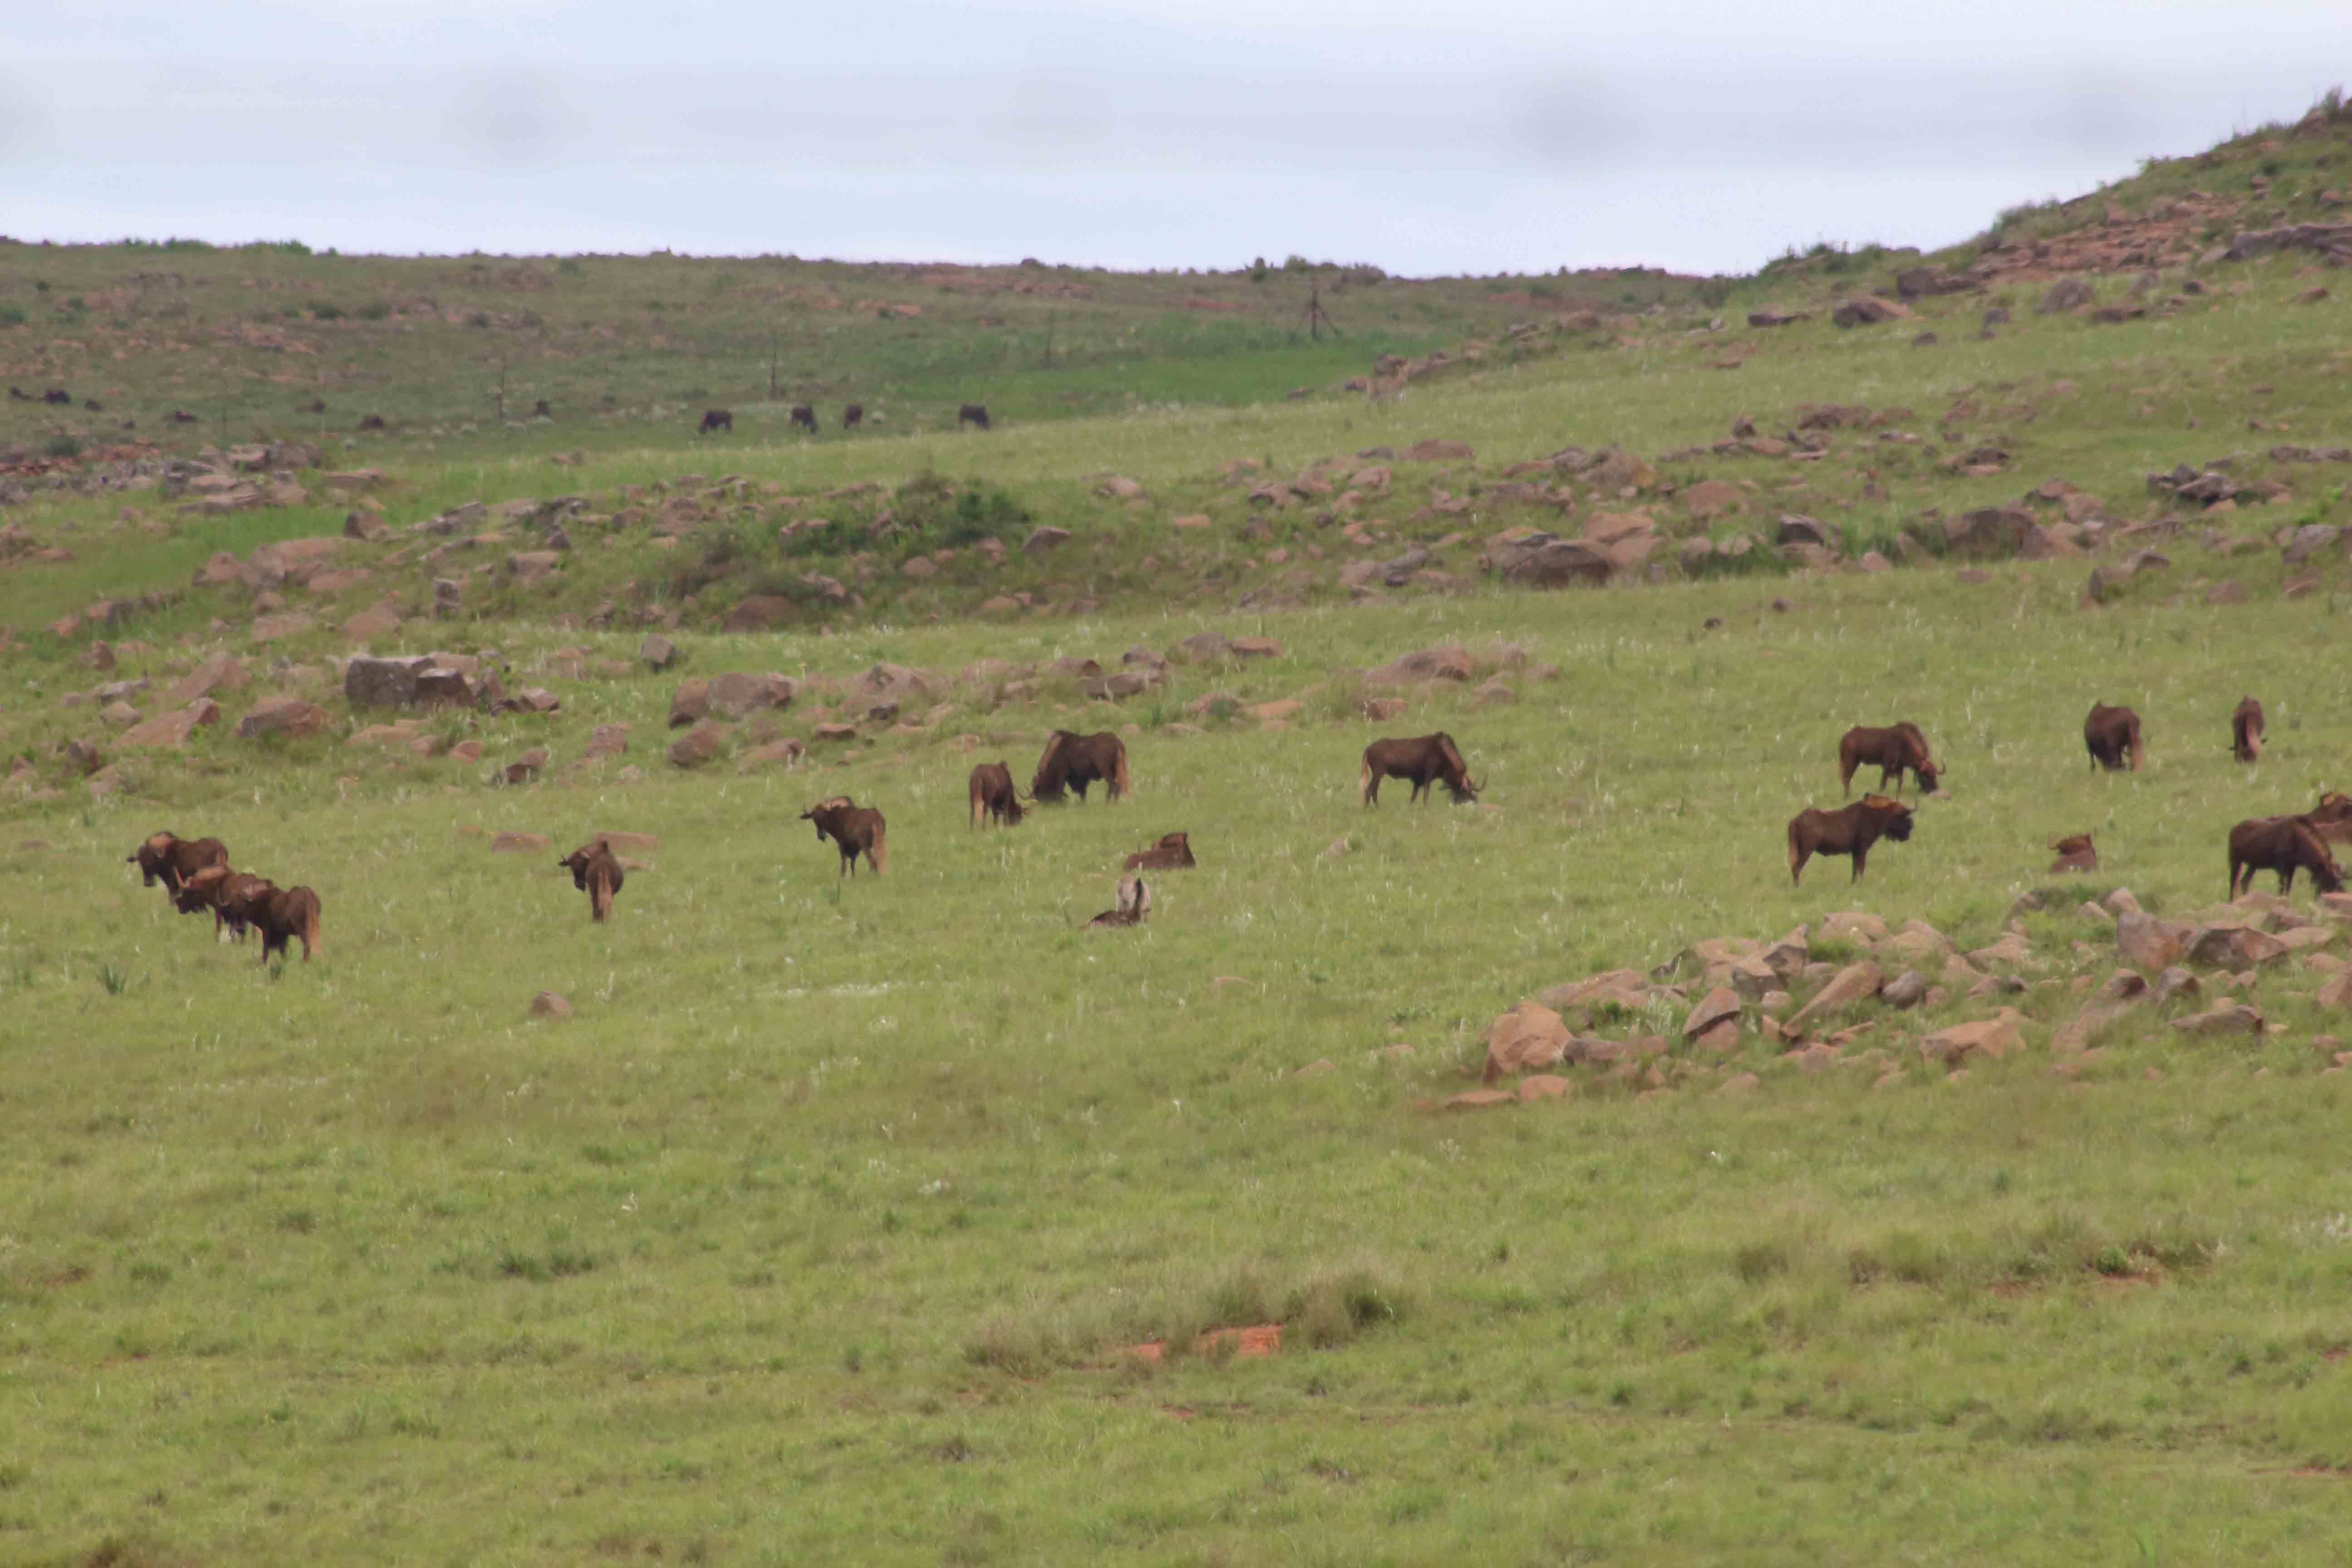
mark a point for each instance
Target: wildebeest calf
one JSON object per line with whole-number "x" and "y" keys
{"x": 1073, "y": 762}
{"x": 2246, "y": 731}
{"x": 1134, "y": 901}
{"x": 280, "y": 914}
{"x": 851, "y": 415}
{"x": 1890, "y": 750}
{"x": 2074, "y": 854}
{"x": 1423, "y": 759}
{"x": 1851, "y": 831}
{"x": 596, "y": 872}
{"x": 168, "y": 858}
{"x": 972, "y": 414}
{"x": 716, "y": 419}
{"x": 1173, "y": 852}
{"x": 2281, "y": 844}
{"x": 2112, "y": 737}
{"x": 994, "y": 798}
{"x": 854, "y": 829}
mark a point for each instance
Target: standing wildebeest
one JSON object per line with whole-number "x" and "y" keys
{"x": 972, "y": 414}
{"x": 2074, "y": 854}
{"x": 316, "y": 405}
{"x": 370, "y": 421}
{"x": 171, "y": 859}
{"x": 1073, "y": 762}
{"x": 994, "y": 798}
{"x": 596, "y": 872}
{"x": 540, "y": 410}
{"x": 854, "y": 829}
{"x": 1134, "y": 901}
{"x": 1890, "y": 751}
{"x": 224, "y": 892}
{"x": 1851, "y": 831}
{"x": 2111, "y": 735}
{"x": 803, "y": 414}
{"x": 2281, "y": 844}
{"x": 2246, "y": 731}
{"x": 853, "y": 415}
{"x": 716, "y": 419}
{"x": 57, "y": 394}
{"x": 1173, "y": 852}
{"x": 1426, "y": 760}
{"x": 282, "y": 913}
{"x": 181, "y": 416}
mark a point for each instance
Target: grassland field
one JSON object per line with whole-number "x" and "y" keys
{"x": 826, "y": 1227}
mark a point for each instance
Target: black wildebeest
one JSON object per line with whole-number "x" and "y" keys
{"x": 168, "y": 858}
{"x": 2283, "y": 844}
{"x": 540, "y": 410}
{"x": 181, "y": 416}
{"x": 57, "y": 394}
{"x": 853, "y": 415}
{"x": 595, "y": 871}
{"x": 18, "y": 395}
{"x": 1850, "y": 830}
{"x": 854, "y": 829}
{"x": 805, "y": 416}
{"x": 2074, "y": 854}
{"x": 225, "y": 893}
{"x": 1890, "y": 750}
{"x": 370, "y": 421}
{"x": 2331, "y": 817}
{"x": 972, "y": 414}
{"x": 1423, "y": 759}
{"x": 994, "y": 798}
{"x": 1171, "y": 852}
{"x": 1134, "y": 901}
{"x": 2246, "y": 731}
{"x": 316, "y": 405}
{"x": 716, "y": 419}
{"x": 1073, "y": 762}
{"x": 2112, "y": 737}
{"x": 283, "y": 913}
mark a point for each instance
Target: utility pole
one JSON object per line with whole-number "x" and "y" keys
{"x": 1317, "y": 317}
{"x": 771, "y": 364}
{"x": 502, "y": 389}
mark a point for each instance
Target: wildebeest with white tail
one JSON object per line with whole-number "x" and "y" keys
{"x": 1426, "y": 760}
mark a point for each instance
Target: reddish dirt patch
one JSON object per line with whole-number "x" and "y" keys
{"x": 1262, "y": 1339}
{"x": 2120, "y": 243}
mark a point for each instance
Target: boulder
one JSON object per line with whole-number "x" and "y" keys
{"x": 656, "y": 652}
{"x": 2065, "y": 294}
{"x": 2233, "y": 946}
{"x": 698, "y": 745}
{"x": 734, "y": 694}
{"x": 520, "y": 843}
{"x": 2148, "y": 944}
{"x": 382, "y": 682}
{"x": 1988, "y": 532}
{"x": 784, "y": 753}
{"x": 1714, "y": 1007}
{"x": 169, "y": 729}
{"x": 1201, "y": 647}
{"x": 1994, "y": 1037}
{"x": 1867, "y": 310}
{"x": 756, "y": 613}
{"x": 1854, "y": 984}
{"x": 1436, "y": 450}
{"x": 1044, "y": 538}
{"x": 217, "y": 672}
{"x": 1905, "y": 990}
{"x": 1446, "y": 661}
{"x": 282, "y": 716}
{"x": 1529, "y": 1035}
{"x": 2223, "y": 1018}
{"x": 1547, "y": 560}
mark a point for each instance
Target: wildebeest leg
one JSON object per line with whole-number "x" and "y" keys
{"x": 2238, "y": 872}
{"x": 1860, "y": 855}
{"x": 1373, "y": 789}
{"x": 2286, "y": 877}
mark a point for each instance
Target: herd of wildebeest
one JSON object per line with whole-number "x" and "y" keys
{"x": 198, "y": 875}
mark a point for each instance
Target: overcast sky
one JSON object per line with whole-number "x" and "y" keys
{"x": 1478, "y": 136}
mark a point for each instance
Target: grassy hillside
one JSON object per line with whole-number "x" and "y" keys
{"x": 830, "y": 1223}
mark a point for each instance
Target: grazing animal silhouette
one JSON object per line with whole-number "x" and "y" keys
{"x": 2246, "y": 731}
{"x": 168, "y": 858}
{"x": 2112, "y": 737}
{"x": 370, "y": 421}
{"x": 972, "y": 414}
{"x": 280, "y": 914}
{"x": 854, "y": 829}
{"x": 1171, "y": 852}
{"x": 181, "y": 416}
{"x": 994, "y": 798}
{"x": 595, "y": 871}
{"x": 853, "y": 415}
{"x": 1851, "y": 831}
{"x": 2281, "y": 844}
{"x": 223, "y": 892}
{"x": 802, "y": 415}
{"x": 1073, "y": 762}
{"x": 1134, "y": 906}
{"x": 1423, "y": 759}
{"x": 2074, "y": 854}
{"x": 716, "y": 419}
{"x": 1891, "y": 751}
{"x": 540, "y": 410}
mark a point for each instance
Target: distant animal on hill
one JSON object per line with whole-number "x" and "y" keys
{"x": 716, "y": 419}
{"x": 854, "y": 829}
{"x": 181, "y": 416}
{"x": 168, "y": 858}
{"x": 972, "y": 414}
{"x": 2074, "y": 854}
{"x": 596, "y": 872}
{"x": 93, "y": 406}
{"x": 540, "y": 410}
{"x": 224, "y": 892}
{"x": 316, "y": 405}
{"x": 804, "y": 414}
{"x": 282, "y": 914}
{"x": 1171, "y": 852}
{"x": 1890, "y": 750}
{"x": 18, "y": 395}
{"x": 2331, "y": 817}
{"x": 57, "y": 394}
{"x": 2246, "y": 731}
{"x": 853, "y": 415}
{"x": 1073, "y": 762}
{"x": 1850, "y": 830}
{"x": 2112, "y": 737}
{"x": 2283, "y": 844}
{"x": 370, "y": 421}
{"x": 1423, "y": 759}
{"x": 1134, "y": 906}
{"x": 994, "y": 798}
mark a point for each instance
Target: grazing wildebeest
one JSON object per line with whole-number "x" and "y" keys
{"x": 972, "y": 414}
{"x": 540, "y": 410}
{"x": 316, "y": 405}
{"x": 2074, "y": 854}
{"x": 57, "y": 394}
{"x": 1171, "y": 852}
{"x": 181, "y": 416}
{"x": 803, "y": 414}
{"x": 596, "y": 872}
{"x": 168, "y": 858}
{"x": 1890, "y": 750}
{"x": 2246, "y": 731}
{"x": 225, "y": 893}
{"x": 93, "y": 406}
{"x": 18, "y": 395}
{"x": 2281, "y": 844}
{"x": 1426, "y": 760}
{"x": 716, "y": 419}
{"x": 283, "y": 913}
{"x": 994, "y": 798}
{"x": 2112, "y": 736}
{"x": 853, "y": 415}
{"x": 1073, "y": 762}
{"x": 854, "y": 829}
{"x": 370, "y": 421}
{"x": 1851, "y": 831}
{"x": 1134, "y": 901}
